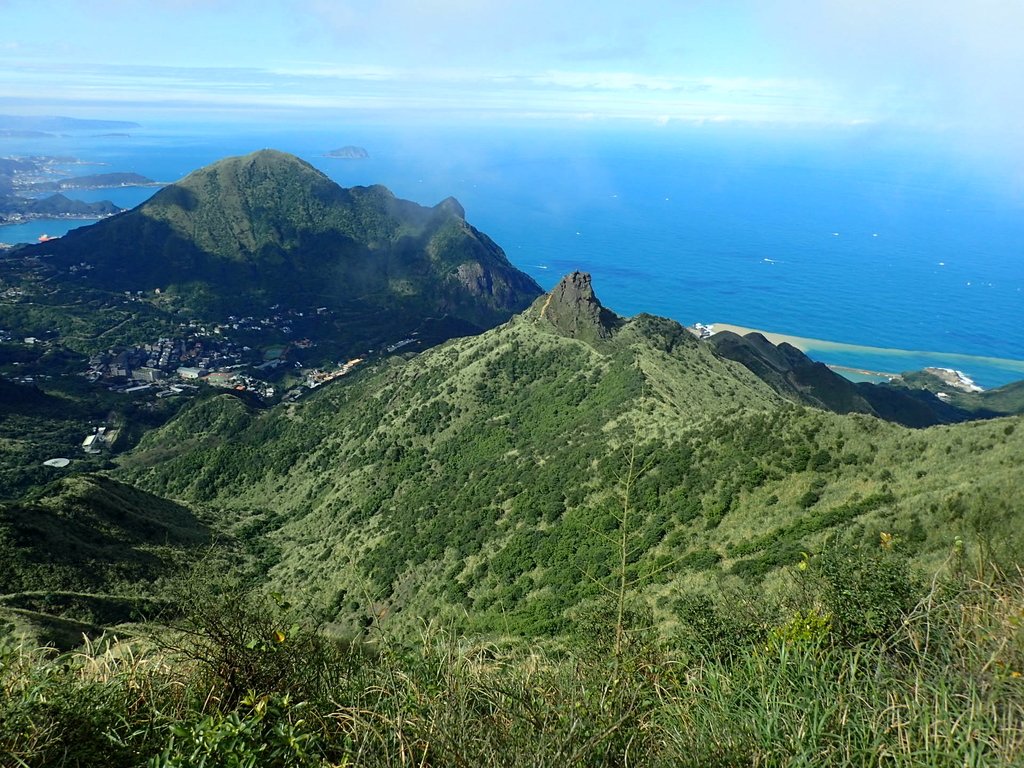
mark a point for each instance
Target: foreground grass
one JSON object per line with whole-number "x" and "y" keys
{"x": 238, "y": 686}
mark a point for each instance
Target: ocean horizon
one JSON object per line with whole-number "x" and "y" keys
{"x": 881, "y": 244}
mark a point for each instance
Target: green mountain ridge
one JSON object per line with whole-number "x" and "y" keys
{"x": 268, "y": 228}
{"x": 90, "y": 533}
{"x": 799, "y": 378}
{"x": 486, "y": 480}
{"x": 573, "y": 539}
{"x": 469, "y": 518}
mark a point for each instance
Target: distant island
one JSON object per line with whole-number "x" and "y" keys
{"x": 106, "y": 180}
{"x": 349, "y": 153}
{"x": 18, "y": 210}
{"x": 15, "y": 133}
{"x": 25, "y": 183}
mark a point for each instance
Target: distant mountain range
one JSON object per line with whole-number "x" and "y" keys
{"x": 24, "y": 181}
{"x": 54, "y": 206}
{"x": 27, "y": 124}
{"x": 104, "y": 180}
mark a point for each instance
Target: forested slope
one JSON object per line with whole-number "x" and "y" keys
{"x": 495, "y": 478}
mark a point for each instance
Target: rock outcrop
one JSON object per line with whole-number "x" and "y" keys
{"x": 574, "y": 309}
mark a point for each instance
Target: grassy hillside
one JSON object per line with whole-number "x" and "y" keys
{"x": 858, "y": 662}
{"x": 572, "y": 540}
{"x": 88, "y": 552}
{"x": 496, "y": 480}
{"x": 89, "y": 533}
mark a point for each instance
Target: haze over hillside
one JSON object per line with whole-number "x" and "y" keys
{"x": 268, "y": 228}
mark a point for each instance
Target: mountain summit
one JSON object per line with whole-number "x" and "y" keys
{"x": 270, "y": 228}
{"x": 574, "y": 309}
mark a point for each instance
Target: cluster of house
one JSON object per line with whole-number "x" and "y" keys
{"x": 316, "y": 377}
{"x": 281, "y": 320}
{"x": 163, "y": 359}
{"x": 239, "y": 382}
{"x": 399, "y": 344}
{"x": 176, "y": 367}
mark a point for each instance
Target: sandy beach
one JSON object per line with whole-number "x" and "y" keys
{"x": 816, "y": 347}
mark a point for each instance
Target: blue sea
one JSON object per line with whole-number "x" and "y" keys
{"x": 886, "y": 242}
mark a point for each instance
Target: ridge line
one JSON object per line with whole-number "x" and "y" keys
{"x": 544, "y": 309}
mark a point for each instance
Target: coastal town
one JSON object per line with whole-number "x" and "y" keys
{"x": 263, "y": 354}
{"x": 260, "y": 357}
{"x": 140, "y": 355}
{"x": 187, "y": 365}
{"x": 181, "y": 365}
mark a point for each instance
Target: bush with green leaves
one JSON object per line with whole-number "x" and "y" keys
{"x": 867, "y": 592}
{"x": 711, "y": 628}
{"x": 263, "y": 732}
{"x": 806, "y": 628}
{"x": 249, "y": 644}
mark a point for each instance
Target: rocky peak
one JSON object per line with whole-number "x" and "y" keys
{"x": 574, "y": 310}
{"x": 452, "y": 207}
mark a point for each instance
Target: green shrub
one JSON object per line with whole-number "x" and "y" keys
{"x": 700, "y": 560}
{"x": 715, "y": 629}
{"x": 250, "y": 644}
{"x": 867, "y": 591}
{"x": 264, "y": 731}
{"x": 805, "y": 629}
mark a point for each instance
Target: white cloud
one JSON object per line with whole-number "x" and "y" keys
{"x": 609, "y": 95}
{"x": 936, "y": 60}
{"x": 475, "y": 32}
{"x": 940, "y": 62}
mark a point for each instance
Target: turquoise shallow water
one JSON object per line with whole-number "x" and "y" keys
{"x": 844, "y": 236}
{"x": 30, "y": 231}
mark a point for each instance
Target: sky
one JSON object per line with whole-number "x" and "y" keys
{"x": 938, "y": 65}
